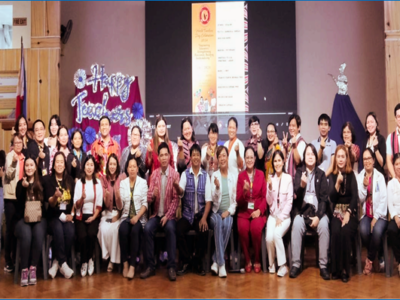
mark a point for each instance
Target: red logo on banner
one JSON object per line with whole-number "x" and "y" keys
{"x": 204, "y": 15}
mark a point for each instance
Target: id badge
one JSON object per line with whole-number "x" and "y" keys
{"x": 250, "y": 205}
{"x": 44, "y": 172}
{"x": 63, "y": 206}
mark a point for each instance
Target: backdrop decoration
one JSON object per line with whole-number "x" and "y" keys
{"x": 343, "y": 111}
{"x": 116, "y": 96}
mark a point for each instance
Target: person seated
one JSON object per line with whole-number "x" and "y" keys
{"x": 311, "y": 187}
{"x": 373, "y": 200}
{"x": 163, "y": 195}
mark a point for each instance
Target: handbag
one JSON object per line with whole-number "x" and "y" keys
{"x": 33, "y": 211}
{"x": 308, "y": 211}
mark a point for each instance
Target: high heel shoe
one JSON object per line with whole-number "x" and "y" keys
{"x": 248, "y": 268}
{"x": 257, "y": 268}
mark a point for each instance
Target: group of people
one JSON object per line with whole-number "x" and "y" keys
{"x": 51, "y": 186}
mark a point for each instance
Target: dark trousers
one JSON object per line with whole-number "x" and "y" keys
{"x": 63, "y": 237}
{"x": 394, "y": 238}
{"x": 129, "y": 241}
{"x": 31, "y": 237}
{"x": 87, "y": 236}
{"x": 182, "y": 228}
{"x": 170, "y": 235}
{"x": 10, "y": 240}
{"x": 341, "y": 241}
{"x": 373, "y": 240}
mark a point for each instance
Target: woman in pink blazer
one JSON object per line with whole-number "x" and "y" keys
{"x": 279, "y": 199}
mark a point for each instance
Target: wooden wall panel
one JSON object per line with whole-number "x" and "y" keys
{"x": 392, "y": 18}
{"x": 392, "y": 59}
{"x": 41, "y": 64}
{"x": 53, "y": 15}
{"x": 38, "y": 23}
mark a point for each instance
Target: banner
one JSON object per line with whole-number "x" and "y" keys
{"x": 219, "y": 57}
{"x": 116, "y": 96}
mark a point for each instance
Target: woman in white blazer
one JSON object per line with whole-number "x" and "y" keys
{"x": 223, "y": 191}
{"x": 373, "y": 201}
{"x": 13, "y": 173}
{"x": 134, "y": 197}
{"x": 394, "y": 209}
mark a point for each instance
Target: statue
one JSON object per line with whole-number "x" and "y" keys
{"x": 341, "y": 81}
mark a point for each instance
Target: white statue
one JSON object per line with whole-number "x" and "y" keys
{"x": 341, "y": 81}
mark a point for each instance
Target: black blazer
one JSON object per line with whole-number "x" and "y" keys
{"x": 321, "y": 191}
{"x": 75, "y": 172}
{"x": 49, "y": 188}
{"x": 33, "y": 151}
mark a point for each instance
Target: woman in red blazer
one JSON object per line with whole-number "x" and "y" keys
{"x": 252, "y": 207}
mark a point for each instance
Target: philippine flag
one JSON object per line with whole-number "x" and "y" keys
{"x": 20, "y": 107}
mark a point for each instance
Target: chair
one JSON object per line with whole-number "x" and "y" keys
{"x": 17, "y": 258}
{"x": 73, "y": 261}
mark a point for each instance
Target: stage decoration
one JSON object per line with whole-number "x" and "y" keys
{"x": 137, "y": 110}
{"x": 116, "y": 96}
{"x": 145, "y": 125}
{"x": 80, "y": 78}
{"x": 343, "y": 111}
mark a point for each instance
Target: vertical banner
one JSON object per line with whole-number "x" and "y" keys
{"x": 219, "y": 57}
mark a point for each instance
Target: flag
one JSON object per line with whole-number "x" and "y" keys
{"x": 20, "y": 107}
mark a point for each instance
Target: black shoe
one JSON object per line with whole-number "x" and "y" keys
{"x": 200, "y": 270}
{"x": 335, "y": 276}
{"x": 345, "y": 277}
{"x": 9, "y": 268}
{"x": 147, "y": 273}
{"x": 171, "y": 274}
{"x": 185, "y": 269}
{"x": 324, "y": 274}
{"x": 294, "y": 272}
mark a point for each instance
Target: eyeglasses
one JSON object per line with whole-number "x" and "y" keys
{"x": 367, "y": 158}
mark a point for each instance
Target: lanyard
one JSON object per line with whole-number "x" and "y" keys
{"x": 251, "y": 185}
{"x": 279, "y": 190}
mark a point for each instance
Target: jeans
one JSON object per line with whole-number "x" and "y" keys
{"x": 170, "y": 235}
{"x": 394, "y": 238}
{"x": 129, "y": 241}
{"x": 298, "y": 230}
{"x": 63, "y": 237}
{"x": 31, "y": 237}
{"x": 373, "y": 240}
{"x": 222, "y": 232}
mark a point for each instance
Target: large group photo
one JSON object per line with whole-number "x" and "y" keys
{"x": 200, "y": 150}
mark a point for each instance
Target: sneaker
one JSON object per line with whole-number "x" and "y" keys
{"x": 91, "y": 267}
{"x": 84, "y": 269}
{"x": 24, "y": 277}
{"x": 283, "y": 270}
{"x": 368, "y": 267}
{"x": 9, "y": 268}
{"x": 222, "y": 272}
{"x": 214, "y": 269}
{"x": 54, "y": 269}
{"x": 271, "y": 269}
{"x": 32, "y": 275}
{"x": 66, "y": 271}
